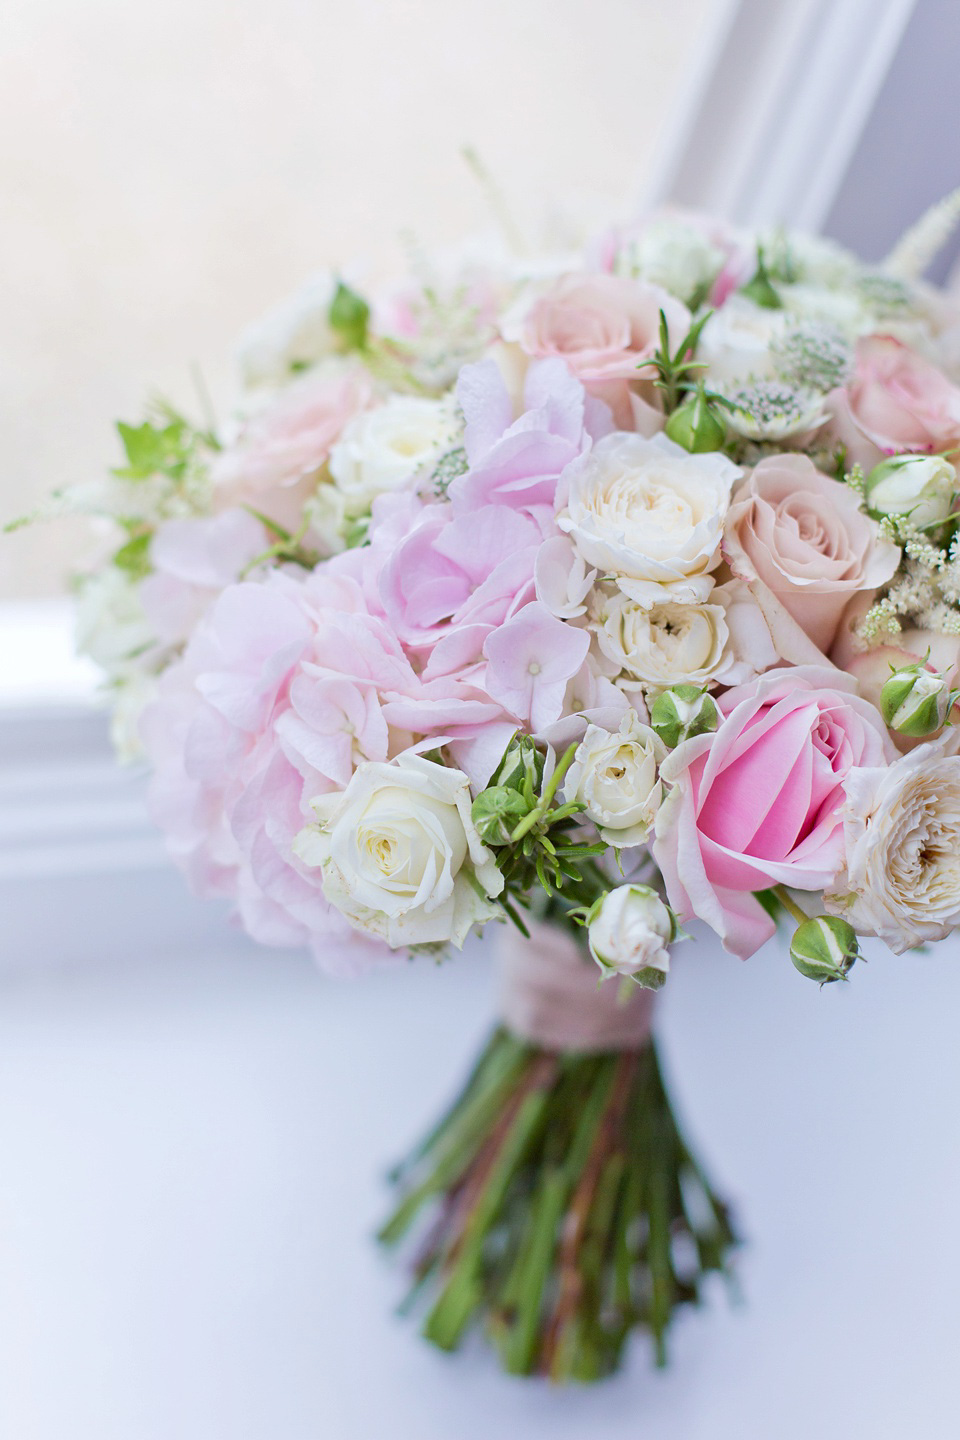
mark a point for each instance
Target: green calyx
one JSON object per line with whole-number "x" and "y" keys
{"x": 682, "y": 712}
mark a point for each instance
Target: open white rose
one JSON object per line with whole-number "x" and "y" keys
{"x": 648, "y": 513}
{"x": 735, "y": 343}
{"x": 630, "y": 934}
{"x": 671, "y": 252}
{"x": 383, "y": 447}
{"x": 614, "y": 775}
{"x": 294, "y": 333}
{"x": 665, "y": 644}
{"x": 400, "y": 855}
{"x": 901, "y": 828}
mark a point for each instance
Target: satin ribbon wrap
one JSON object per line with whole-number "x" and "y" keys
{"x": 550, "y": 995}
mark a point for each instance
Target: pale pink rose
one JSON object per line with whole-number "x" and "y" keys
{"x": 804, "y": 546}
{"x": 896, "y": 402}
{"x": 273, "y": 464}
{"x": 603, "y": 327}
{"x": 758, "y": 802}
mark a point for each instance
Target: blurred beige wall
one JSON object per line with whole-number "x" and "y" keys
{"x": 168, "y": 169}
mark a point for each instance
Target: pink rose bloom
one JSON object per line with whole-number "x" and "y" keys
{"x": 758, "y": 802}
{"x": 804, "y": 546}
{"x": 896, "y": 402}
{"x": 603, "y": 327}
{"x": 273, "y": 464}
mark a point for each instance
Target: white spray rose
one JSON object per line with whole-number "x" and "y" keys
{"x": 735, "y": 342}
{"x": 382, "y": 448}
{"x": 293, "y": 334}
{"x": 901, "y": 828}
{"x": 678, "y": 256}
{"x": 662, "y": 645}
{"x": 630, "y": 934}
{"x": 400, "y": 854}
{"x": 921, "y": 486}
{"x": 615, "y": 777}
{"x": 648, "y": 513}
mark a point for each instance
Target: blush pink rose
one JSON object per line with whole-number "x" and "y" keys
{"x": 603, "y": 327}
{"x": 273, "y": 464}
{"x": 758, "y": 802}
{"x": 897, "y": 402}
{"x": 805, "y": 548}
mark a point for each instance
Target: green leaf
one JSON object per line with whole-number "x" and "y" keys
{"x": 134, "y": 557}
{"x": 349, "y": 317}
{"x": 153, "y": 449}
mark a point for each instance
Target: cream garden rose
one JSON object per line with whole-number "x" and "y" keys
{"x": 664, "y": 644}
{"x": 614, "y": 776}
{"x": 647, "y": 513}
{"x": 901, "y": 828}
{"x": 400, "y": 854}
{"x": 383, "y": 447}
{"x": 630, "y": 934}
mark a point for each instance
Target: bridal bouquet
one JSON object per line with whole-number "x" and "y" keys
{"x": 584, "y": 595}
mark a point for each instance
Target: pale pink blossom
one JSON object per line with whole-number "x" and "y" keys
{"x": 759, "y": 802}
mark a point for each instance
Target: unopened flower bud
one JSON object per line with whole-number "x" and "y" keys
{"x": 522, "y": 761}
{"x": 824, "y": 948}
{"x": 496, "y": 812}
{"x": 916, "y": 701}
{"x": 630, "y": 932}
{"x": 921, "y": 487}
{"x": 697, "y": 425}
{"x": 760, "y": 288}
{"x": 682, "y": 712}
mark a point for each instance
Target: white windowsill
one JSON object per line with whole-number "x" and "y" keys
{"x": 39, "y": 665}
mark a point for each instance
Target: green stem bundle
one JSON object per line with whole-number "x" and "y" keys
{"x": 560, "y": 1208}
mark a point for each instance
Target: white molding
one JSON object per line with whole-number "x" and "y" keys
{"x": 778, "y": 97}
{"x": 66, "y": 806}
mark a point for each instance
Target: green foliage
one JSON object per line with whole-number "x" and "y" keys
{"x": 155, "y": 449}
{"x": 676, "y": 370}
{"x": 133, "y": 557}
{"x": 760, "y": 289}
{"x": 561, "y": 1210}
{"x": 349, "y": 317}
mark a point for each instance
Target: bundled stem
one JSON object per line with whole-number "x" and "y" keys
{"x": 559, "y": 1206}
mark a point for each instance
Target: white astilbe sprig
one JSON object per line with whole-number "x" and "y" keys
{"x": 915, "y": 249}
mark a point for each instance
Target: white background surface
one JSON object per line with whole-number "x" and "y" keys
{"x": 191, "y": 1160}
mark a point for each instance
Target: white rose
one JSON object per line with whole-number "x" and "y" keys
{"x": 648, "y": 513}
{"x": 615, "y": 777}
{"x": 662, "y": 645}
{"x": 921, "y": 486}
{"x": 677, "y": 256}
{"x": 735, "y": 342}
{"x": 400, "y": 854}
{"x": 630, "y": 934}
{"x": 901, "y": 829}
{"x": 382, "y": 448}
{"x": 293, "y": 334}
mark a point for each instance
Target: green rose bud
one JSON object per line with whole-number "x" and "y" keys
{"x": 495, "y": 812}
{"x": 921, "y": 487}
{"x": 697, "y": 424}
{"x": 521, "y": 767}
{"x": 682, "y": 712}
{"x": 824, "y": 949}
{"x": 916, "y": 701}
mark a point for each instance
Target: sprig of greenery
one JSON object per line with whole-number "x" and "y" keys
{"x": 676, "y": 370}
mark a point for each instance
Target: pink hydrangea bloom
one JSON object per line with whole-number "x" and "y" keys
{"x": 517, "y": 462}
